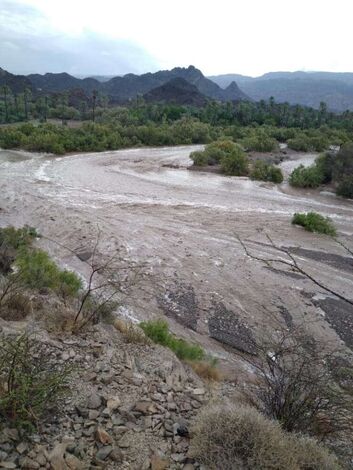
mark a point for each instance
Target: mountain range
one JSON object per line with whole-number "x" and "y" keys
{"x": 304, "y": 88}
{"x": 130, "y": 86}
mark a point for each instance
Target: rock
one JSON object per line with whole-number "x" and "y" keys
{"x": 83, "y": 255}
{"x": 56, "y": 457}
{"x": 145, "y": 407}
{"x": 113, "y": 403}
{"x": 73, "y": 462}
{"x": 8, "y": 464}
{"x": 159, "y": 462}
{"x": 104, "y": 452}
{"x": 189, "y": 466}
{"x": 199, "y": 391}
{"x": 116, "y": 455}
{"x": 226, "y": 327}
{"x": 94, "y": 401}
{"x": 29, "y": 463}
{"x": 93, "y": 414}
{"x": 22, "y": 446}
{"x": 102, "y": 436}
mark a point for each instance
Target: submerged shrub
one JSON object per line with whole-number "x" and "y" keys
{"x": 345, "y": 187}
{"x": 265, "y": 172}
{"x": 229, "y": 437}
{"x": 235, "y": 163}
{"x": 200, "y": 158}
{"x": 314, "y": 222}
{"x": 306, "y": 177}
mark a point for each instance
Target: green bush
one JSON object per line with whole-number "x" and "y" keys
{"x": 199, "y": 157}
{"x": 300, "y": 144}
{"x": 230, "y": 437}
{"x": 263, "y": 171}
{"x": 158, "y": 332}
{"x": 32, "y": 385}
{"x": 38, "y": 271}
{"x": 260, "y": 143}
{"x": 314, "y": 222}
{"x": 235, "y": 163}
{"x": 16, "y": 238}
{"x": 345, "y": 187}
{"x": 306, "y": 177}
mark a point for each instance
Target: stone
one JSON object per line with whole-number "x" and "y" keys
{"x": 22, "y": 446}
{"x": 145, "y": 407}
{"x": 83, "y": 255}
{"x": 8, "y": 464}
{"x": 73, "y": 462}
{"x": 104, "y": 452}
{"x": 113, "y": 403}
{"x": 159, "y": 462}
{"x": 94, "y": 401}
{"x": 29, "y": 463}
{"x": 102, "y": 436}
{"x": 189, "y": 466}
{"x": 199, "y": 391}
{"x": 56, "y": 457}
{"x": 92, "y": 414}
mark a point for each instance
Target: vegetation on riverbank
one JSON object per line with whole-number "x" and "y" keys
{"x": 314, "y": 222}
{"x": 328, "y": 168}
{"x": 233, "y": 161}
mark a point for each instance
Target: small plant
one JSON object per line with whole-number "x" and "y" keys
{"x": 29, "y": 385}
{"x": 314, "y": 222}
{"x": 159, "y": 333}
{"x": 132, "y": 333}
{"x": 206, "y": 369}
{"x": 229, "y": 437}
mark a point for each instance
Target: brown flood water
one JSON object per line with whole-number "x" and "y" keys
{"x": 182, "y": 225}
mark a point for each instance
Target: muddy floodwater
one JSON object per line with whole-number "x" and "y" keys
{"x": 183, "y": 226}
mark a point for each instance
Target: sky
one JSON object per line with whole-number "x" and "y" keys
{"x": 115, "y": 37}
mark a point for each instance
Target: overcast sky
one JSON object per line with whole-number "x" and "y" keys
{"x": 113, "y": 37}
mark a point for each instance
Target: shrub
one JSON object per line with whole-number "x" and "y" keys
{"x": 38, "y": 271}
{"x": 29, "y": 386}
{"x": 200, "y": 158}
{"x": 306, "y": 177}
{"x": 159, "y": 333}
{"x": 260, "y": 143}
{"x": 235, "y": 163}
{"x": 15, "y": 306}
{"x": 300, "y": 144}
{"x": 206, "y": 369}
{"x": 265, "y": 172}
{"x": 314, "y": 222}
{"x": 229, "y": 437}
{"x": 345, "y": 187}
{"x": 17, "y": 237}
{"x": 325, "y": 164}
{"x": 132, "y": 333}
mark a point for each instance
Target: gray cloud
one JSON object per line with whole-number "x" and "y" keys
{"x": 27, "y": 45}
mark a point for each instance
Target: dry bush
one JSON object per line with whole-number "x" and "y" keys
{"x": 15, "y": 307}
{"x": 131, "y": 332}
{"x": 206, "y": 370}
{"x": 229, "y": 437}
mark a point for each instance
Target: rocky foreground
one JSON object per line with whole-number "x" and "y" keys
{"x": 127, "y": 406}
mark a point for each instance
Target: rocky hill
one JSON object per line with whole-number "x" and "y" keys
{"x": 130, "y": 86}
{"x": 304, "y": 88}
{"x": 176, "y": 91}
{"x": 17, "y": 83}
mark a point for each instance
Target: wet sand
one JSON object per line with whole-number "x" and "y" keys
{"x": 182, "y": 225}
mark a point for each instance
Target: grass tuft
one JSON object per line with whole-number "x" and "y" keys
{"x": 314, "y": 222}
